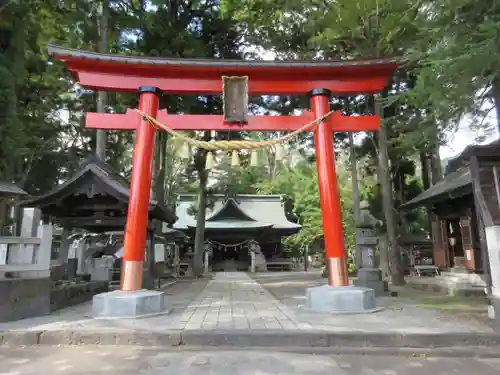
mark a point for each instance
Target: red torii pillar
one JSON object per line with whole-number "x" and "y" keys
{"x": 140, "y": 188}
{"x": 204, "y": 77}
{"x": 329, "y": 193}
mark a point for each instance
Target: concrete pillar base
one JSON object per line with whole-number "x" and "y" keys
{"x": 138, "y": 304}
{"x": 341, "y": 299}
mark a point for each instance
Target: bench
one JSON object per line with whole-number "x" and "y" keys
{"x": 280, "y": 266}
{"x": 418, "y": 270}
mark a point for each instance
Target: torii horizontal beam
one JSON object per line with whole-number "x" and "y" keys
{"x": 203, "y": 76}
{"x": 131, "y": 119}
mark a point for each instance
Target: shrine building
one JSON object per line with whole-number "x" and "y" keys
{"x": 233, "y": 223}
{"x": 466, "y": 211}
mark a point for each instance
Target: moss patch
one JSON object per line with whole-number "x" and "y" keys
{"x": 451, "y": 303}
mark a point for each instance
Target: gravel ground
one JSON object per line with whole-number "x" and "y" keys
{"x": 134, "y": 360}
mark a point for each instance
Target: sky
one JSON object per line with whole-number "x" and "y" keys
{"x": 461, "y": 139}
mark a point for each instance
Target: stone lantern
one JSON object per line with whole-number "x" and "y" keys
{"x": 369, "y": 275}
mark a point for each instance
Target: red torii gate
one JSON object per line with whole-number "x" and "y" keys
{"x": 152, "y": 76}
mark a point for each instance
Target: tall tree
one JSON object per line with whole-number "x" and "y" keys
{"x": 102, "y": 47}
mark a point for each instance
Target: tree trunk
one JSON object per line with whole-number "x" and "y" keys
{"x": 496, "y": 99}
{"x": 397, "y": 274}
{"x": 425, "y": 166}
{"x": 102, "y": 97}
{"x": 199, "y": 240}
{"x": 384, "y": 255}
{"x": 160, "y": 173}
{"x": 354, "y": 177}
{"x": 431, "y": 175}
{"x": 399, "y": 185}
{"x": 426, "y": 183}
{"x": 436, "y": 167}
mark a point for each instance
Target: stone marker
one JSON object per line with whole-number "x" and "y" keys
{"x": 369, "y": 275}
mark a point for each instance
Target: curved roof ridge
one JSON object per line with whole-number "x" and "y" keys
{"x": 230, "y": 202}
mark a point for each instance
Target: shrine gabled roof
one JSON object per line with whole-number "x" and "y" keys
{"x": 454, "y": 185}
{"x": 113, "y": 183}
{"x": 462, "y": 160}
{"x": 8, "y": 189}
{"x": 250, "y": 212}
{"x": 458, "y": 179}
{"x": 229, "y": 211}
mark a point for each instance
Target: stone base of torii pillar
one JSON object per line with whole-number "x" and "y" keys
{"x": 341, "y": 299}
{"x": 361, "y": 297}
{"x": 137, "y": 304}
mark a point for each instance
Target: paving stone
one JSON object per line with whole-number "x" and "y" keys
{"x": 239, "y": 302}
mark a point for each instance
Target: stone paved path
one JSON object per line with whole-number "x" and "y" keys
{"x": 134, "y": 360}
{"x": 232, "y": 300}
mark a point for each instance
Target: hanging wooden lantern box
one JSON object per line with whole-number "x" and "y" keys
{"x": 235, "y": 98}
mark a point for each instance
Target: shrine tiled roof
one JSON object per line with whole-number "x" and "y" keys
{"x": 94, "y": 171}
{"x": 458, "y": 179}
{"x": 9, "y": 189}
{"x": 250, "y": 212}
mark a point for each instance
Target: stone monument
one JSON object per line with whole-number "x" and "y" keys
{"x": 252, "y": 259}
{"x": 369, "y": 275}
{"x": 207, "y": 253}
{"x": 257, "y": 259}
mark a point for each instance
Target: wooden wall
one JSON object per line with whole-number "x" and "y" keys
{"x": 460, "y": 209}
{"x": 486, "y": 181}
{"x": 440, "y": 243}
{"x": 485, "y": 171}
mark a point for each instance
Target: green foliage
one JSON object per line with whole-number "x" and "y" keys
{"x": 458, "y": 53}
{"x": 299, "y": 184}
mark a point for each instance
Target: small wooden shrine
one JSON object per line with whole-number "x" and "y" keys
{"x": 95, "y": 198}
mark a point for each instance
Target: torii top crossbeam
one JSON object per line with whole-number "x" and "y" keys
{"x": 192, "y": 76}
{"x": 202, "y": 76}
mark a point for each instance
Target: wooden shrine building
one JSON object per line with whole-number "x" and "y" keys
{"x": 233, "y": 222}
{"x": 465, "y": 203}
{"x": 95, "y": 198}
